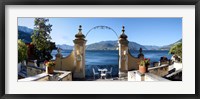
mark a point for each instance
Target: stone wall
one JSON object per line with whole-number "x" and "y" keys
{"x": 67, "y": 78}
{"x": 137, "y": 76}
{"x": 33, "y": 70}
{"x": 65, "y": 63}
{"x": 62, "y": 76}
{"x": 46, "y": 78}
{"x": 133, "y": 62}
{"x": 159, "y": 70}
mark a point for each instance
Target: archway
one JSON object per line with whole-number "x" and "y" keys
{"x": 105, "y": 57}
{"x": 102, "y": 27}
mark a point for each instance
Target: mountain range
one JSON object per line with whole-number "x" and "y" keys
{"x": 64, "y": 46}
{"x": 113, "y": 45}
{"x": 167, "y": 47}
{"x": 25, "y": 33}
{"x": 25, "y": 29}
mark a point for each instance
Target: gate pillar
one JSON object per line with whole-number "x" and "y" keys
{"x": 123, "y": 54}
{"x": 79, "y": 52}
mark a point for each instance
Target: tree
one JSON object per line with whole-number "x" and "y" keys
{"x": 22, "y": 51}
{"x": 176, "y": 50}
{"x": 41, "y": 39}
{"x": 41, "y": 36}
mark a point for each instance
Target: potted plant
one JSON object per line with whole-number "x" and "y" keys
{"x": 50, "y": 67}
{"x": 143, "y": 66}
{"x": 22, "y": 54}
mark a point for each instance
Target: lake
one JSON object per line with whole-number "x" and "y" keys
{"x": 106, "y": 57}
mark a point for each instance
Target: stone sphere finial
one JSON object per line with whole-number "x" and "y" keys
{"x": 140, "y": 50}
{"x": 80, "y": 28}
{"x": 59, "y": 50}
{"x": 123, "y": 29}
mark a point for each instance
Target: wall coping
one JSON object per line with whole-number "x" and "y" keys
{"x": 34, "y": 78}
{"x": 164, "y": 65}
{"x": 42, "y": 75}
{"x": 176, "y": 72}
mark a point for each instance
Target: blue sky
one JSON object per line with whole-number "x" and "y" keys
{"x": 145, "y": 31}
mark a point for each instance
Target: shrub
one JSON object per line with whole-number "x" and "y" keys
{"x": 22, "y": 51}
{"x": 176, "y": 50}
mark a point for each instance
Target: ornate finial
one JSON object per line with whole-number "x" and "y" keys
{"x": 141, "y": 55}
{"x": 123, "y": 35}
{"x": 123, "y": 29}
{"x": 140, "y": 50}
{"x": 59, "y": 50}
{"x": 79, "y": 34}
{"x": 80, "y": 28}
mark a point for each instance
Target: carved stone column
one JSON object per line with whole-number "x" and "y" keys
{"x": 123, "y": 54}
{"x": 79, "y": 52}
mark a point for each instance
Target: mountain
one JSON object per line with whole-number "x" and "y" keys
{"x": 167, "y": 47}
{"x": 65, "y": 47}
{"x": 112, "y": 45}
{"x": 24, "y": 34}
{"x": 151, "y": 47}
{"x": 25, "y": 29}
{"x": 103, "y": 45}
{"x": 135, "y": 46}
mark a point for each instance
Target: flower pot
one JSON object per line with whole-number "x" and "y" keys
{"x": 49, "y": 69}
{"x": 142, "y": 69}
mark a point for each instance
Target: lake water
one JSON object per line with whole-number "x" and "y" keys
{"x": 108, "y": 59}
{"x": 111, "y": 57}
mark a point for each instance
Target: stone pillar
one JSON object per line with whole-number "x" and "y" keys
{"x": 79, "y": 52}
{"x": 58, "y": 60}
{"x": 123, "y": 54}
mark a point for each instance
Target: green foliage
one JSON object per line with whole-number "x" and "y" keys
{"x": 145, "y": 62}
{"x": 176, "y": 50}
{"x": 41, "y": 39}
{"x": 22, "y": 51}
{"x": 142, "y": 63}
{"x": 50, "y": 64}
{"x": 41, "y": 36}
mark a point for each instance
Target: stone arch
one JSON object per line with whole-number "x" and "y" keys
{"x": 102, "y": 27}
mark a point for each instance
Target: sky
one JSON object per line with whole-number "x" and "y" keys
{"x": 145, "y": 31}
